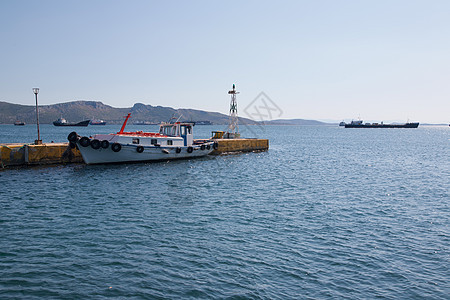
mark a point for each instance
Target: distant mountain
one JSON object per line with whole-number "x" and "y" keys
{"x": 295, "y": 122}
{"x": 76, "y": 111}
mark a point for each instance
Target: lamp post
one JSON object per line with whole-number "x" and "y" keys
{"x": 38, "y": 141}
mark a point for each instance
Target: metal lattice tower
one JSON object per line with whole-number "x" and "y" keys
{"x": 233, "y": 127}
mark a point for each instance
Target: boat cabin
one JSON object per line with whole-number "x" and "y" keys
{"x": 170, "y": 134}
{"x": 359, "y": 122}
{"x": 178, "y": 129}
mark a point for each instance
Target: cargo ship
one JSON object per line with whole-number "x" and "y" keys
{"x": 360, "y": 124}
{"x": 63, "y": 122}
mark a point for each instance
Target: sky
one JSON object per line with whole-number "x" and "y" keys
{"x": 324, "y": 60}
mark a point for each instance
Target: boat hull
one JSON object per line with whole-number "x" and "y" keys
{"x": 129, "y": 153}
{"x": 407, "y": 125}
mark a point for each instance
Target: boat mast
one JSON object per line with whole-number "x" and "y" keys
{"x": 233, "y": 127}
{"x": 124, "y": 123}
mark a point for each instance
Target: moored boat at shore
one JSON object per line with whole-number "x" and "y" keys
{"x": 97, "y": 122}
{"x": 63, "y": 122}
{"x": 173, "y": 141}
{"x": 19, "y": 123}
{"x": 144, "y": 123}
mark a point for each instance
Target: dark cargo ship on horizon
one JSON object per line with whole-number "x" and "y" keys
{"x": 360, "y": 124}
{"x": 63, "y": 122}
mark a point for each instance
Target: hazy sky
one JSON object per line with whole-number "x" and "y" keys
{"x": 380, "y": 60}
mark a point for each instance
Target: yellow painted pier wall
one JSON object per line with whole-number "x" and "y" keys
{"x": 61, "y": 153}
{"x": 30, "y": 154}
{"x": 12, "y": 155}
{"x": 241, "y": 145}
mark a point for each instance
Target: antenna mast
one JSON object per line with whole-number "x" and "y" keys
{"x": 233, "y": 127}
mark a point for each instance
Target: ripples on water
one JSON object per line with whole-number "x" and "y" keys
{"x": 325, "y": 213}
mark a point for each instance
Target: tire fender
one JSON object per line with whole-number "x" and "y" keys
{"x": 116, "y": 147}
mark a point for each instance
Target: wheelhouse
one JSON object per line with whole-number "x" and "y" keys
{"x": 178, "y": 129}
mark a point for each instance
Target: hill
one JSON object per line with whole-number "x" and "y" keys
{"x": 76, "y": 111}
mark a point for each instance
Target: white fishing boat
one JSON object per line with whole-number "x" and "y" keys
{"x": 173, "y": 141}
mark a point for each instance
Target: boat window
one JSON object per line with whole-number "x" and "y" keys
{"x": 183, "y": 130}
{"x": 169, "y": 142}
{"x": 135, "y": 141}
{"x": 154, "y": 141}
{"x": 168, "y": 130}
{"x": 189, "y": 129}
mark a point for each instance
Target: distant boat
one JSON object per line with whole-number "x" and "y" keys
{"x": 97, "y": 122}
{"x": 342, "y": 123}
{"x": 144, "y": 123}
{"x": 360, "y": 124}
{"x": 203, "y": 123}
{"x": 19, "y": 123}
{"x": 63, "y": 122}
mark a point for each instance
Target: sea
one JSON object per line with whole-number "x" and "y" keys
{"x": 325, "y": 213}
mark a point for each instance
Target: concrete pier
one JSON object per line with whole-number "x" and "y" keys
{"x": 240, "y": 145}
{"x": 62, "y": 153}
{"x": 44, "y": 154}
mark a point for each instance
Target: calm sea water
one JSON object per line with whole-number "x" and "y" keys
{"x": 327, "y": 212}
